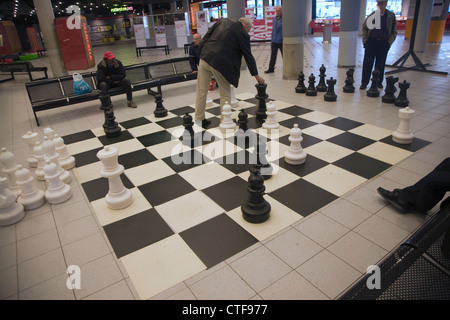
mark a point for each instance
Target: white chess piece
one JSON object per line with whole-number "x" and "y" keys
{"x": 48, "y": 146}
{"x": 227, "y": 122}
{"x": 10, "y": 211}
{"x": 39, "y": 155}
{"x": 49, "y": 132}
{"x": 30, "y": 138}
{"x": 403, "y": 134}
{"x": 8, "y": 160}
{"x": 234, "y": 102}
{"x": 271, "y": 121}
{"x": 65, "y": 159}
{"x": 31, "y": 197}
{"x": 57, "y": 191}
{"x": 118, "y": 196}
{"x": 295, "y": 154}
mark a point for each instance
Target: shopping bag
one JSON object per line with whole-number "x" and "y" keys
{"x": 79, "y": 85}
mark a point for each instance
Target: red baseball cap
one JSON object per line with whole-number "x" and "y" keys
{"x": 109, "y": 55}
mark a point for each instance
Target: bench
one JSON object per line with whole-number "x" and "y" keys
{"x": 22, "y": 67}
{"x": 416, "y": 270}
{"x": 58, "y": 92}
{"x": 165, "y": 47}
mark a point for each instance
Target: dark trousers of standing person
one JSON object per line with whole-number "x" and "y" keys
{"x": 104, "y": 87}
{"x": 273, "y": 54}
{"x": 428, "y": 191}
{"x": 375, "y": 50}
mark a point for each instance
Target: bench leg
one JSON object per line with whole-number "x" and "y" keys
{"x": 35, "y": 116}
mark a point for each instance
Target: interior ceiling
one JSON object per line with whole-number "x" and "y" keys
{"x": 25, "y": 7}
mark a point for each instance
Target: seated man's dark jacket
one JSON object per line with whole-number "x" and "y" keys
{"x": 224, "y": 45}
{"x": 116, "y": 72}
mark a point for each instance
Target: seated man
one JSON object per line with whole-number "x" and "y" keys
{"x": 110, "y": 73}
{"x": 194, "y": 52}
{"x": 423, "y": 195}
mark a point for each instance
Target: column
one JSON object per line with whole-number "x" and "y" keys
{"x": 235, "y": 9}
{"x": 362, "y": 16}
{"x": 46, "y": 19}
{"x": 293, "y": 33}
{"x": 405, "y": 7}
{"x": 308, "y": 18}
{"x": 423, "y": 25}
{"x": 348, "y": 33}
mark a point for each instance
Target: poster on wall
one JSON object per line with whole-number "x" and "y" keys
{"x": 269, "y": 14}
{"x": 259, "y": 30}
{"x": 250, "y": 14}
{"x": 202, "y": 22}
{"x": 139, "y": 35}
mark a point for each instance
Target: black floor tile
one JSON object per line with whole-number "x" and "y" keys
{"x": 303, "y": 197}
{"x": 342, "y": 123}
{"x": 135, "y": 122}
{"x": 362, "y": 165}
{"x": 302, "y": 123}
{"x": 171, "y": 122}
{"x": 228, "y": 194}
{"x": 310, "y": 165}
{"x": 155, "y": 138}
{"x": 186, "y": 160}
{"x": 165, "y": 189}
{"x": 295, "y": 110}
{"x": 136, "y": 232}
{"x": 99, "y": 188}
{"x": 123, "y": 137}
{"x": 217, "y": 239}
{"x": 351, "y": 141}
{"x": 87, "y": 157}
{"x": 414, "y": 146}
{"x": 182, "y": 111}
{"x": 79, "y": 136}
{"x": 136, "y": 158}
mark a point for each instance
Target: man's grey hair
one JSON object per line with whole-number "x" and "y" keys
{"x": 246, "y": 22}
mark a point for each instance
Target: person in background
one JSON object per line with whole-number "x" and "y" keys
{"x": 377, "y": 43}
{"x": 110, "y": 74}
{"x": 277, "y": 39}
{"x": 194, "y": 52}
{"x": 221, "y": 52}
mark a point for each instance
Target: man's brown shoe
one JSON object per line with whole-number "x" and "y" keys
{"x": 131, "y": 104}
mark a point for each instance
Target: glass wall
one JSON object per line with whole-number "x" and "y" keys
{"x": 331, "y": 9}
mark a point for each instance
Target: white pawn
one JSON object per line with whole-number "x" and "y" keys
{"x": 57, "y": 191}
{"x": 403, "y": 134}
{"x": 50, "y": 153}
{"x": 65, "y": 159}
{"x": 234, "y": 102}
{"x": 31, "y": 197}
{"x": 227, "y": 122}
{"x": 118, "y": 196}
{"x": 30, "y": 139}
{"x": 295, "y": 154}
{"x": 271, "y": 121}
{"x": 39, "y": 155}
{"x": 10, "y": 211}
{"x": 8, "y": 160}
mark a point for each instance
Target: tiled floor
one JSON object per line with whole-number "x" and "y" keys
{"x": 318, "y": 257}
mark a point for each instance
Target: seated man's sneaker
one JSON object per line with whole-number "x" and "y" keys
{"x": 395, "y": 199}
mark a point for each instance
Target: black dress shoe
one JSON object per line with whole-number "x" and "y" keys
{"x": 395, "y": 199}
{"x": 269, "y": 71}
{"x": 363, "y": 87}
{"x": 205, "y": 123}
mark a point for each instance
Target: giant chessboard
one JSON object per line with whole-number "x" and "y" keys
{"x": 186, "y": 211}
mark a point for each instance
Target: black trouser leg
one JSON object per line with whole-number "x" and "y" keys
{"x": 273, "y": 54}
{"x": 369, "y": 58}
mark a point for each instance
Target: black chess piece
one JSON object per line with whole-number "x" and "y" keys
{"x": 311, "y": 91}
{"x": 330, "y": 95}
{"x": 321, "y": 86}
{"x": 373, "y": 91}
{"x": 105, "y": 105}
{"x": 402, "y": 100}
{"x": 188, "y": 133}
{"x": 256, "y": 209}
{"x": 112, "y": 128}
{"x": 389, "y": 96}
{"x": 300, "y": 88}
{"x": 242, "y": 135}
{"x": 261, "y": 96}
{"x": 262, "y": 163}
{"x": 349, "y": 88}
{"x": 160, "y": 111}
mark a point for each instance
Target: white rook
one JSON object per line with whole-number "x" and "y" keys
{"x": 403, "y": 134}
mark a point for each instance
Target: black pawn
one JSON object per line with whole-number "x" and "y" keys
{"x": 349, "y": 88}
{"x": 243, "y": 120}
{"x": 261, "y": 96}
{"x": 160, "y": 111}
{"x": 105, "y": 105}
{"x": 262, "y": 163}
{"x": 321, "y": 86}
{"x": 373, "y": 91}
{"x": 300, "y": 88}
{"x": 112, "y": 128}
{"x": 402, "y": 100}
{"x": 256, "y": 209}
{"x": 311, "y": 91}
{"x": 188, "y": 134}
{"x": 242, "y": 135}
{"x": 389, "y": 96}
{"x": 330, "y": 95}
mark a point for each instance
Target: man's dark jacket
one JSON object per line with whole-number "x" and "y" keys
{"x": 116, "y": 72}
{"x": 224, "y": 45}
